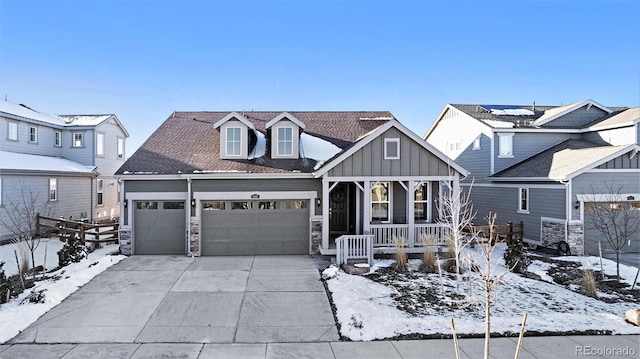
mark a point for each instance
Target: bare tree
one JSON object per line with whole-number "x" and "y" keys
{"x": 617, "y": 220}
{"x": 456, "y": 215}
{"x": 20, "y": 217}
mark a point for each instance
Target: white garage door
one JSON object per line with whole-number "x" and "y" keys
{"x": 159, "y": 227}
{"x": 255, "y": 227}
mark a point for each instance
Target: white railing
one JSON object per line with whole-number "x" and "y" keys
{"x": 354, "y": 246}
{"x": 435, "y": 234}
{"x": 383, "y": 233}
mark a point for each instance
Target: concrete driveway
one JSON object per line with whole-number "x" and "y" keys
{"x": 177, "y": 299}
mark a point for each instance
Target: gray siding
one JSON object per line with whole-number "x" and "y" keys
{"x": 528, "y": 144}
{"x": 544, "y": 202}
{"x": 107, "y": 165}
{"x": 414, "y": 160}
{"x": 44, "y": 145}
{"x": 622, "y": 162}
{"x": 85, "y": 154}
{"x": 603, "y": 182}
{"x": 577, "y": 118}
{"x": 476, "y": 161}
{"x": 155, "y": 186}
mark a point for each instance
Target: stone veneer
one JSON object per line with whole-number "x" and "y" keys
{"x": 316, "y": 234}
{"x": 553, "y": 232}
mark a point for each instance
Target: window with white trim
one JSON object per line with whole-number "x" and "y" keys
{"x": 120, "y": 148}
{"x": 33, "y": 134}
{"x": 380, "y": 202}
{"x": 421, "y": 201}
{"x": 57, "y": 138}
{"x": 78, "y": 139}
{"x": 13, "y": 131}
{"x": 100, "y": 191}
{"x": 99, "y": 144}
{"x": 53, "y": 189}
{"x": 234, "y": 141}
{"x": 523, "y": 200}
{"x": 476, "y": 143}
{"x": 391, "y": 148}
{"x": 285, "y": 141}
{"x": 505, "y": 145}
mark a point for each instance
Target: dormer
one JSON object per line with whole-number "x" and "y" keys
{"x": 285, "y": 132}
{"x": 234, "y": 136}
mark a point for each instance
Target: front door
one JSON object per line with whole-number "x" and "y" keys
{"x": 339, "y": 209}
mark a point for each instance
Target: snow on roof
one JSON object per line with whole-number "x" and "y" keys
{"x": 83, "y": 120}
{"x": 25, "y": 112}
{"x": 379, "y": 118}
{"x": 317, "y": 149}
{"x": 498, "y": 124}
{"x": 512, "y": 112}
{"x": 25, "y": 162}
{"x": 261, "y": 146}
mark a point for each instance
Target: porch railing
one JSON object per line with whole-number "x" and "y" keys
{"x": 354, "y": 247}
{"x": 383, "y": 234}
{"x": 435, "y": 234}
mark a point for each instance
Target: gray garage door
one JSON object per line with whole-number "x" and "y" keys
{"x": 159, "y": 227}
{"x": 255, "y": 227}
{"x": 592, "y": 236}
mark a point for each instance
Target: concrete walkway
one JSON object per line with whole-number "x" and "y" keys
{"x": 533, "y": 347}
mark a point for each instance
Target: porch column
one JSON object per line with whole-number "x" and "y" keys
{"x": 410, "y": 213}
{"x": 325, "y": 212}
{"x": 366, "y": 220}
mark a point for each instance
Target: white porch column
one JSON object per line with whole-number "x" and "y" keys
{"x": 410, "y": 213}
{"x": 325, "y": 212}
{"x": 367, "y": 208}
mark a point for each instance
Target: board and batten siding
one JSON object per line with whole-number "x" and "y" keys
{"x": 369, "y": 161}
{"x": 526, "y": 145}
{"x": 577, "y": 118}
{"x": 625, "y": 161}
{"x": 504, "y": 200}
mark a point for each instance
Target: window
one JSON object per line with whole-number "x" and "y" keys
{"x": 242, "y": 205}
{"x": 295, "y": 204}
{"x": 234, "y": 141}
{"x": 285, "y": 141}
{"x": 523, "y": 203}
{"x": 391, "y": 148}
{"x": 120, "y": 148}
{"x": 421, "y": 201}
{"x": 146, "y": 205}
{"x": 33, "y": 134}
{"x": 99, "y": 144}
{"x": 213, "y": 205}
{"x": 53, "y": 189}
{"x": 13, "y": 131}
{"x": 268, "y": 205}
{"x": 505, "y": 144}
{"x": 380, "y": 202}
{"x": 57, "y": 138}
{"x": 173, "y": 205}
{"x": 78, "y": 139}
{"x": 100, "y": 191}
{"x": 476, "y": 143}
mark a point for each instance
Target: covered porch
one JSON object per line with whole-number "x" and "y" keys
{"x": 380, "y": 209}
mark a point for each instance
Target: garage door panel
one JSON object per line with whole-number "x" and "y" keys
{"x": 159, "y": 230}
{"x": 592, "y": 236}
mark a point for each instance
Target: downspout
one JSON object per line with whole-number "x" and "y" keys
{"x": 567, "y": 208}
{"x": 188, "y": 205}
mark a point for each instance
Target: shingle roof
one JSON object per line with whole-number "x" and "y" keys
{"x": 188, "y": 142}
{"x": 616, "y": 118}
{"x": 559, "y": 161}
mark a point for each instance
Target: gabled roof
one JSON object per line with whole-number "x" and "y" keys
{"x": 561, "y": 162}
{"x": 90, "y": 121}
{"x": 188, "y": 142}
{"x": 12, "y": 162}
{"x": 289, "y": 117}
{"x": 367, "y": 138}
{"x": 231, "y": 116}
{"x": 553, "y": 113}
{"x": 617, "y": 119}
{"x": 22, "y": 112}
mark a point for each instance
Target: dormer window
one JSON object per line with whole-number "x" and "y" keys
{"x": 285, "y": 141}
{"x": 234, "y": 141}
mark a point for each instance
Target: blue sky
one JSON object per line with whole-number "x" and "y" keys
{"x": 142, "y": 60}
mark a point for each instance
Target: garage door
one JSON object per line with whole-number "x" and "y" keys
{"x": 592, "y": 236}
{"x": 255, "y": 227}
{"x": 159, "y": 227}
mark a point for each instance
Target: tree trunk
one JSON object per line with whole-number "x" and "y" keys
{"x": 618, "y": 265}
{"x": 487, "y": 317}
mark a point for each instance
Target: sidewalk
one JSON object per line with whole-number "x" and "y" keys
{"x": 560, "y": 347}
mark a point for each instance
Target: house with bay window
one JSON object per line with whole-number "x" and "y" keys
{"x": 546, "y": 166}
{"x": 68, "y": 161}
{"x": 251, "y": 183}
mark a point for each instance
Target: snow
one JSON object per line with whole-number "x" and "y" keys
{"x": 52, "y": 246}
{"x": 366, "y": 310}
{"x": 379, "y": 118}
{"x": 317, "y": 149}
{"x": 512, "y": 112}
{"x": 26, "y": 162}
{"x": 83, "y": 120}
{"x": 21, "y": 111}
{"x": 498, "y": 124}
{"x": 15, "y": 317}
{"x": 261, "y": 146}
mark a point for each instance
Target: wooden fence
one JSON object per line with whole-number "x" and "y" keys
{"x": 501, "y": 233}
{"x": 87, "y": 232}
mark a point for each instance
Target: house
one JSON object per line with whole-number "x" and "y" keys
{"x": 543, "y": 165}
{"x": 231, "y": 183}
{"x": 68, "y": 161}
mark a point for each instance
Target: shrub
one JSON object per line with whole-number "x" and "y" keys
{"x": 73, "y": 251}
{"x": 589, "y": 282}
{"x": 429, "y": 264}
{"x": 450, "y": 263}
{"x": 400, "y": 254}
{"x": 24, "y": 255}
{"x": 515, "y": 256}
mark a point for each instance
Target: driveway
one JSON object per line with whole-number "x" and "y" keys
{"x": 177, "y": 299}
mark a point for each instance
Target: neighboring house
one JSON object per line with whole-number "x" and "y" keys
{"x": 229, "y": 183}
{"x": 68, "y": 161}
{"x": 543, "y": 165}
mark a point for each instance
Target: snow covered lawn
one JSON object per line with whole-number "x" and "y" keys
{"x": 15, "y": 317}
{"x": 388, "y": 304}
